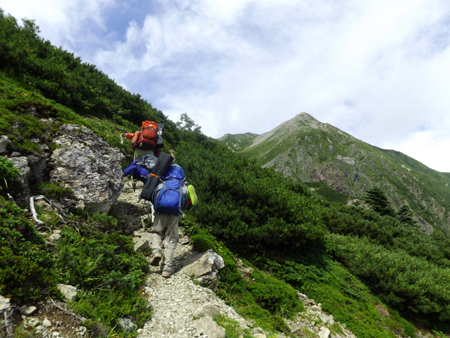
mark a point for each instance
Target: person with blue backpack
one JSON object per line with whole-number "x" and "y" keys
{"x": 169, "y": 199}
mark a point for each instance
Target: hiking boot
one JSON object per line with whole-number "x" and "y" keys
{"x": 168, "y": 270}
{"x": 156, "y": 257}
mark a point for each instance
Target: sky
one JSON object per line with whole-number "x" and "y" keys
{"x": 378, "y": 70}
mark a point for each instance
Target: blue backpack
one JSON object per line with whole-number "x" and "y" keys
{"x": 171, "y": 196}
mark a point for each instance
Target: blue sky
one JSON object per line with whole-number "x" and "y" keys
{"x": 378, "y": 70}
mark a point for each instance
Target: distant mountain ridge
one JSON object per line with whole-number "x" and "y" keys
{"x": 310, "y": 151}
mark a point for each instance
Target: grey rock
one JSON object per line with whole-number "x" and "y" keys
{"x": 258, "y": 332}
{"x": 127, "y": 324}
{"x": 202, "y": 264}
{"x": 54, "y": 238}
{"x": 207, "y": 326}
{"x": 69, "y": 292}
{"x": 33, "y": 322}
{"x": 4, "y": 144}
{"x": 21, "y": 163}
{"x": 81, "y": 331}
{"x": 5, "y": 304}
{"x": 183, "y": 240}
{"x": 207, "y": 310}
{"x": 33, "y": 111}
{"x": 88, "y": 166}
{"x": 324, "y": 318}
{"x": 142, "y": 245}
{"x": 324, "y": 332}
{"x": 40, "y": 329}
{"x": 245, "y": 272}
{"x": 46, "y": 322}
{"x": 15, "y": 154}
{"x": 27, "y": 310}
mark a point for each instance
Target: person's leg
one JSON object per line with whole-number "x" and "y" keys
{"x": 170, "y": 243}
{"x": 157, "y": 234}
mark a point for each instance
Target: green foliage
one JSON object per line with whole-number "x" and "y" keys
{"x": 52, "y": 191}
{"x": 232, "y": 328}
{"x": 202, "y": 241}
{"x": 26, "y": 265}
{"x": 99, "y": 261}
{"x": 389, "y": 233}
{"x": 376, "y": 198}
{"x": 409, "y": 283}
{"x": 107, "y": 270}
{"x": 339, "y": 292}
{"x": 404, "y": 215}
{"x": 102, "y": 219}
{"x": 248, "y": 207}
{"x": 7, "y": 172}
{"x": 327, "y": 192}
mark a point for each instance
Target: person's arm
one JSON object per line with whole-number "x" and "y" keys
{"x": 135, "y": 137}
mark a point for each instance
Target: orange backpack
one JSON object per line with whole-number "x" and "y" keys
{"x": 147, "y": 135}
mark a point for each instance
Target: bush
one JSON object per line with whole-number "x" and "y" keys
{"x": 7, "y": 172}
{"x": 107, "y": 270}
{"x": 26, "y": 265}
{"x": 402, "y": 281}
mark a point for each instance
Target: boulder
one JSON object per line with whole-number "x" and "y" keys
{"x": 324, "y": 332}
{"x": 4, "y": 144}
{"x": 86, "y": 164}
{"x": 204, "y": 268}
{"x": 69, "y": 292}
{"x": 4, "y": 305}
{"x": 21, "y": 163}
{"x": 202, "y": 264}
{"x": 206, "y": 326}
{"x": 207, "y": 310}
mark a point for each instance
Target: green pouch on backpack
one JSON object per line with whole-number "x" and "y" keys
{"x": 192, "y": 195}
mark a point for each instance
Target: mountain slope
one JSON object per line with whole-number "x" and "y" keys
{"x": 238, "y": 142}
{"x": 310, "y": 151}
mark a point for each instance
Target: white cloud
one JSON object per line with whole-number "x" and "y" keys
{"x": 375, "y": 69}
{"x": 60, "y": 21}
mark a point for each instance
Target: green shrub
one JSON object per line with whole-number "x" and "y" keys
{"x": 107, "y": 270}
{"x": 7, "y": 172}
{"x": 406, "y": 283}
{"x": 202, "y": 241}
{"x": 26, "y": 265}
{"x": 52, "y": 191}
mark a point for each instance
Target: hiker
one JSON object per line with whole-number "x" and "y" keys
{"x": 147, "y": 140}
{"x": 170, "y": 198}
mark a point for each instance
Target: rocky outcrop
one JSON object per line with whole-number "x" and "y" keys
{"x": 87, "y": 165}
{"x": 82, "y": 162}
